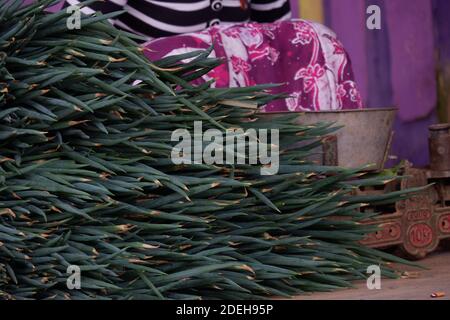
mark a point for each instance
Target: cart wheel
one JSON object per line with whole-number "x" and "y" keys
{"x": 413, "y": 256}
{"x": 420, "y": 240}
{"x": 445, "y": 244}
{"x": 420, "y": 233}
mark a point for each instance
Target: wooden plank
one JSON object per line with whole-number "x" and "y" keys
{"x": 379, "y": 63}
{"x": 311, "y": 10}
{"x": 348, "y": 19}
{"x": 415, "y": 284}
{"x": 295, "y": 9}
{"x": 410, "y": 24}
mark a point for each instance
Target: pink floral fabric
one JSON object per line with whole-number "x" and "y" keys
{"x": 304, "y": 57}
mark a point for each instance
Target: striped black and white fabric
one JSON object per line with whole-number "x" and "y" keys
{"x": 155, "y": 19}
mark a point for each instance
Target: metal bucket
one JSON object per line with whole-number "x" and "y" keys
{"x": 365, "y": 138}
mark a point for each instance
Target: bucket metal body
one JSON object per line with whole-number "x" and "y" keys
{"x": 365, "y": 136}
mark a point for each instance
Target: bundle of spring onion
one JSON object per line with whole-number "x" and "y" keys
{"x": 86, "y": 178}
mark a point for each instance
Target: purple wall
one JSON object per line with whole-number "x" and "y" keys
{"x": 410, "y": 25}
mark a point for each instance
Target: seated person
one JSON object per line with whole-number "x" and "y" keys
{"x": 163, "y": 18}
{"x": 305, "y": 57}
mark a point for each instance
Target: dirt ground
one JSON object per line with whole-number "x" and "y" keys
{"x": 420, "y": 285}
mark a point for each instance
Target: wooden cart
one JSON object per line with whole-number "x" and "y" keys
{"x": 419, "y": 224}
